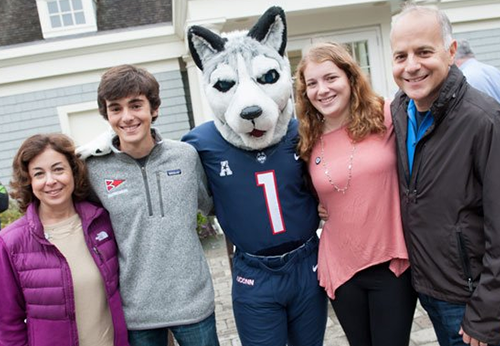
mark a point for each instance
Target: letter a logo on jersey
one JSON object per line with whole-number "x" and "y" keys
{"x": 224, "y": 169}
{"x": 112, "y": 184}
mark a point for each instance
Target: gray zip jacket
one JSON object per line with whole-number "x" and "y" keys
{"x": 164, "y": 276}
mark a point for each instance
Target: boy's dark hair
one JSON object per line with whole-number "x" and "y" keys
{"x": 127, "y": 80}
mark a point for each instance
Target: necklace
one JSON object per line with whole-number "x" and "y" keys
{"x": 327, "y": 172}
{"x": 62, "y": 229}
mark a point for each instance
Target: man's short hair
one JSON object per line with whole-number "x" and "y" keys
{"x": 442, "y": 18}
{"x": 125, "y": 81}
{"x": 464, "y": 50}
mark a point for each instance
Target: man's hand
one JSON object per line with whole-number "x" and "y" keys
{"x": 99, "y": 146}
{"x": 322, "y": 212}
{"x": 470, "y": 340}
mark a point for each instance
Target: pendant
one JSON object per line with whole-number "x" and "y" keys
{"x": 261, "y": 157}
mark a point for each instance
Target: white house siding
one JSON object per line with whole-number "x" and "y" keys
{"x": 27, "y": 114}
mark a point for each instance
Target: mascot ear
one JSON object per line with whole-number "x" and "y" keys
{"x": 203, "y": 44}
{"x": 271, "y": 29}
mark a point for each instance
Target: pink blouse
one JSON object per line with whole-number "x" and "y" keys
{"x": 364, "y": 226}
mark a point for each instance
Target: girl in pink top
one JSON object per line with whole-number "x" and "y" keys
{"x": 348, "y": 141}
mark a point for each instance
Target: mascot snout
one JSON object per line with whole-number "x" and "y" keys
{"x": 250, "y": 113}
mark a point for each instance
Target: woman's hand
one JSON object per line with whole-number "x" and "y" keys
{"x": 322, "y": 212}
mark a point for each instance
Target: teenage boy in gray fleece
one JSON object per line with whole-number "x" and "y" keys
{"x": 153, "y": 188}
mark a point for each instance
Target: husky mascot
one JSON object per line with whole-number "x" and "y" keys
{"x": 257, "y": 181}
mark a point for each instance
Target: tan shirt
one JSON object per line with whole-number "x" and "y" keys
{"x": 93, "y": 318}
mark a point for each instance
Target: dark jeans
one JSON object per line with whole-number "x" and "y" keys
{"x": 446, "y": 319}
{"x": 203, "y": 333}
{"x": 375, "y": 308}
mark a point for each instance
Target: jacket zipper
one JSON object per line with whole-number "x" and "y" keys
{"x": 98, "y": 253}
{"x": 102, "y": 266}
{"x": 462, "y": 251}
{"x": 158, "y": 181}
{"x": 146, "y": 184}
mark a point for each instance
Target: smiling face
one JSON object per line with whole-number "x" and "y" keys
{"x": 52, "y": 180}
{"x": 420, "y": 60}
{"x": 131, "y": 117}
{"x": 329, "y": 91}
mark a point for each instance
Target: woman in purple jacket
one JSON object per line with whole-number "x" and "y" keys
{"x": 58, "y": 263}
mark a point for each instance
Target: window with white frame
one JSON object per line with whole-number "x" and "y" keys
{"x": 363, "y": 44}
{"x": 66, "y": 17}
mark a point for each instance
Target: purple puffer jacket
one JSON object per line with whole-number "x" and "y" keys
{"x": 36, "y": 284}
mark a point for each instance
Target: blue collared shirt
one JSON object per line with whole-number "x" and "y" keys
{"x": 415, "y": 131}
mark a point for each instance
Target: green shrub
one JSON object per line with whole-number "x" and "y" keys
{"x": 10, "y": 215}
{"x": 204, "y": 227}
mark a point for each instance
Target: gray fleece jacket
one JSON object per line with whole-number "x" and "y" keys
{"x": 164, "y": 276}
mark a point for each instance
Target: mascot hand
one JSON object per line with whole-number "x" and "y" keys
{"x": 99, "y": 146}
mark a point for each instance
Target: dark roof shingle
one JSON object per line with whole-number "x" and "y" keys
{"x": 116, "y": 14}
{"x": 19, "y": 21}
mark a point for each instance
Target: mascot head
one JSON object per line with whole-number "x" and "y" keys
{"x": 247, "y": 80}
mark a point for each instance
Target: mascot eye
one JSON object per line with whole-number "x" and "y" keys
{"x": 270, "y": 77}
{"x": 223, "y": 85}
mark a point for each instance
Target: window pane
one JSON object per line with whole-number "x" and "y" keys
{"x": 64, "y": 5}
{"x": 361, "y": 49}
{"x": 52, "y": 5}
{"x": 55, "y": 21}
{"x": 79, "y": 18}
{"x": 348, "y": 47}
{"x": 77, "y": 5}
{"x": 67, "y": 19}
{"x": 294, "y": 57}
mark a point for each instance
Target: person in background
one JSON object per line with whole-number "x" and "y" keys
{"x": 481, "y": 76}
{"x": 58, "y": 263}
{"x": 349, "y": 144}
{"x": 4, "y": 200}
{"x": 152, "y": 188}
{"x": 448, "y": 145}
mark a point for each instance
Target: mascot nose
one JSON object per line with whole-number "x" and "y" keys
{"x": 252, "y": 112}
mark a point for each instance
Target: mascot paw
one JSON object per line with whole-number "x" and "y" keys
{"x": 99, "y": 146}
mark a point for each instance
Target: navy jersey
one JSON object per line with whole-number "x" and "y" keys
{"x": 260, "y": 197}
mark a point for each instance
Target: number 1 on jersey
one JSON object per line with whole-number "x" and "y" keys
{"x": 268, "y": 181}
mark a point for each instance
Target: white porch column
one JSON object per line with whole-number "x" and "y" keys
{"x": 201, "y": 109}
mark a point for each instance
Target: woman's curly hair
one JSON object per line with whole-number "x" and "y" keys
{"x": 367, "y": 108}
{"x": 20, "y": 184}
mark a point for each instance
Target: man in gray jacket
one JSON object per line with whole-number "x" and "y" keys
{"x": 448, "y": 142}
{"x": 153, "y": 188}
